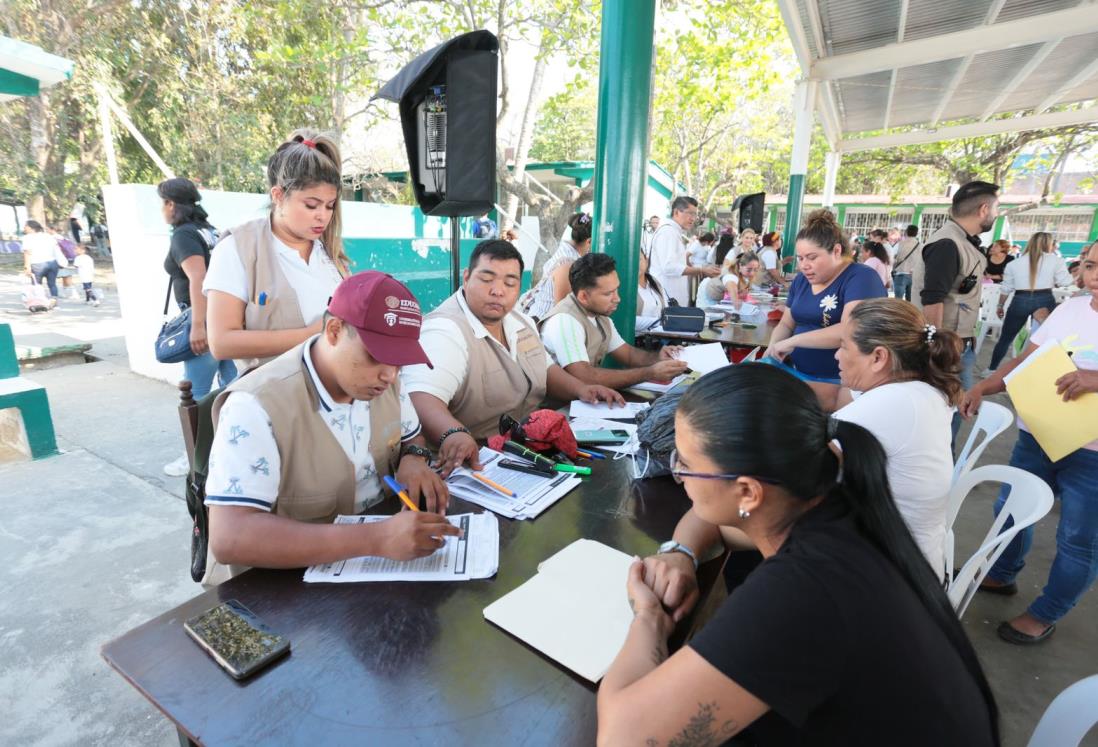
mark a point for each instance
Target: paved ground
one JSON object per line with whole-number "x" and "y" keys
{"x": 94, "y": 542}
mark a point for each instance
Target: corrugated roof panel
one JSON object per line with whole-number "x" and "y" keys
{"x": 1015, "y": 9}
{"x": 927, "y": 18}
{"x": 1086, "y": 92}
{"x": 856, "y": 25}
{"x": 862, "y": 100}
{"x": 1070, "y": 56}
{"x": 985, "y": 79}
{"x": 802, "y": 12}
{"x": 919, "y": 89}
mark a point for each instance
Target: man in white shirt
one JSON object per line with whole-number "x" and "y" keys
{"x": 668, "y": 257}
{"x": 578, "y": 332}
{"x": 488, "y": 360}
{"x": 309, "y": 436}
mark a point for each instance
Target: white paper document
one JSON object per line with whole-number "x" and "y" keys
{"x": 704, "y": 358}
{"x": 652, "y": 386}
{"x": 473, "y": 555}
{"x": 628, "y": 411}
{"x": 575, "y": 610}
{"x": 598, "y": 424}
{"x": 532, "y": 493}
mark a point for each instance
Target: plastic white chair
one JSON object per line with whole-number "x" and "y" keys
{"x": 1069, "y": 716}
{"x": 1030, "y": 499}
{"x": 992, "y": 420}
{"x": 988, "y": 320}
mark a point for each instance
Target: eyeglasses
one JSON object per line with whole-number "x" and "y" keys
{"x": 678, "y": 474}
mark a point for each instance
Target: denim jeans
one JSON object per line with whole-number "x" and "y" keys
{"x": 1021, "y": 306}
{"x": 47, "y": 270}
{"x": 901, "y": 285}
{"x": 968, "y": 366}
{"x": 200, "y": 372}
{"x": 1075, "y": 566}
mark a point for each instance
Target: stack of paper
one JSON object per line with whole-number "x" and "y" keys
{"x": 652, "y": 386}
{"x": 1059, "y": 427}
{"x": 598, "y": 424}
{"x": 704, "y": 358}
{"x": 575, "y": 610}
{"x": 532, "y": 493}
{"x": 475, "y": 554}
{"x": 628, "y": 411}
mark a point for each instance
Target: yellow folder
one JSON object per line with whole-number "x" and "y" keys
{"x": 1059, "y": 427}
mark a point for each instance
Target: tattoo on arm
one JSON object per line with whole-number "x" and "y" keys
{"x": 703, "y": 730}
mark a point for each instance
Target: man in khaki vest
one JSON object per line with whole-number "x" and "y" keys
{"x": 578, "y": 331}
{"x": 953, "y": 268}
{"x": 307, "y": 437}
{"x": 488, "y": 360}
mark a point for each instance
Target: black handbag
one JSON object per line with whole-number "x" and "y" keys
{"x": 173, "y": 344}
{"x": 687, "y": 319}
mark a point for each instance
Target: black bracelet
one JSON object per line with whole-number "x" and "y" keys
{"x": 416, "y": 450}
{"x": 450, "y": 432}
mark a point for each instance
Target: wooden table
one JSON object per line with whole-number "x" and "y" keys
{"x": 401, "y": 663}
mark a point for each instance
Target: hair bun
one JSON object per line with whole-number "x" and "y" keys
{"x": 821, "y": 218}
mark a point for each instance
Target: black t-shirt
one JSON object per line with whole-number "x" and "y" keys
{"x": 188, "y": 240}
{"x": 996, "y": 268}
{"x": 830, "y": 636}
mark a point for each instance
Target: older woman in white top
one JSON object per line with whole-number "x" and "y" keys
{"x": 1031, "y": 280}
{"x": 906, "y": 375}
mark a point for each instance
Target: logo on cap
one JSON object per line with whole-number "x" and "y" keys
{"x": 390, "y": 318}
{"x": 392, "y": 302}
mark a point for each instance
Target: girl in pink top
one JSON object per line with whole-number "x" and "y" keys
{"x": 874, "y": 255}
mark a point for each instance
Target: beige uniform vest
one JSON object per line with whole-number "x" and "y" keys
{"x": 262, "y": 274}
{"x": 960, "y": 311}
{"x": 317, "y": 480}
{"x": 494, "y": 383}
{"x": 597, "y": 341}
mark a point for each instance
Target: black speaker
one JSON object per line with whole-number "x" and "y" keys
{"x": 447, "y": 101}
{"x": 752, "y": 211}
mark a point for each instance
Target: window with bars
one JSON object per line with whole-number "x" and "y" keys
{"x": 861, "y": 222}
{"x": 1063, "y": 226}
{"x": 779, "y": 219}
{"x": 930, "y": 222}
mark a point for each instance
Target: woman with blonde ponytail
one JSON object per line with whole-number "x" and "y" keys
{"x": 270, "y": 279}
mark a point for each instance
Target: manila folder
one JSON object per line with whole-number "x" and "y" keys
{"x": 575, "y": 610}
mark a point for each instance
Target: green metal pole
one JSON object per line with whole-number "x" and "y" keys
{"x": 621, "y": 153}
{"x": 803, "y": 108}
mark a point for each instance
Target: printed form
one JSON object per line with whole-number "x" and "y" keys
{"x": 473, "y": 555}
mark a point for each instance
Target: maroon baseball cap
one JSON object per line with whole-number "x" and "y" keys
{"x": 386, "y": 315}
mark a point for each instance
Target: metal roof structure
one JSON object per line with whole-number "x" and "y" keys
{"x": 944, "y": 68}
{"x": 26, "y": 69}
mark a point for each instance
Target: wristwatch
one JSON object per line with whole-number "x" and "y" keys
{"x": 418, "y": 451}
{"x": 673, "y": 546}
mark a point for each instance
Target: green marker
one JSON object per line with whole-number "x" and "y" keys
{"x": 572, "y": 468}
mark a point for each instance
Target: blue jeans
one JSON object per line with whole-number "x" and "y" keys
{"x": 968, "y": 367}
{"x": 47, "y": 270}
{"x": 1075, "y": 566}
{"x": 1021, "y": 306}
{"x": 200, "y": 372}
{"x": 901, "y": 285}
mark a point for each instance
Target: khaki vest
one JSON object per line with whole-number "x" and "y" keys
{"x": 597, "y": 342}
{"x": 960, "y": 311}
{"x": 262, "y": 274}
{"x": 494, "y": 383}
{"x": 317, "y": 480}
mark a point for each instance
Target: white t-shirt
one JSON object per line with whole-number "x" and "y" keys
{"x": 698, "y": 253}
{"x": 85, "y": 266}
{"x": 564, "y": 339}
{"x": 314, "y": 283}
{"x": 668, "y": 260}
{"x": 769, "y": 258}
{"x": 444, "y": 344}
{"x": 650, "y": 302}
{"x": 43, "y": 248}
{"x": 1052, "y": 272}
{"x": 245, "y": 466}
{"x": 912, "y": 421}
{"x": 1074, "y": 324}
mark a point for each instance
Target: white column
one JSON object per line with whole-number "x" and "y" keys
{"x": 831, "y": 166}
{"x": 804, "y": 100}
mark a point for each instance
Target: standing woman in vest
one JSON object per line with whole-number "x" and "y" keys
{"x": 553, "y": 285}
{"x": 270, "y": 279}
{"x": 1031, "y": 280}
{"x": 188, "y": 257}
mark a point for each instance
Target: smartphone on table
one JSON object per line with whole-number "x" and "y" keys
{"x": 236, "y": 639}
{"x": 614, "y": 436}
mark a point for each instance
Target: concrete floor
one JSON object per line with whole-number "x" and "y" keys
{"x": 95, "y": 541}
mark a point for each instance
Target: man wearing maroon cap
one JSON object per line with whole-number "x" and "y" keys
{"x": 307, "y": 437}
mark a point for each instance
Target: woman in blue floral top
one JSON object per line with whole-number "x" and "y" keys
{"x": 821, "y": 297}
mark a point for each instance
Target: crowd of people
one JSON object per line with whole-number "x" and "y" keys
{"x": 826, "y": 474}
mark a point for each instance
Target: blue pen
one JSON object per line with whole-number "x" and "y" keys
{"x": 399, "y": 489}
{"x": 263, "y": 298}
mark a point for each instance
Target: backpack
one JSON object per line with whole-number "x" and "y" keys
{"x": 656, "y": 437}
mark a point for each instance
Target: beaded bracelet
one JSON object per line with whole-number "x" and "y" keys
{"x": 415, "y": 450}
{"x": 450, "y": 432}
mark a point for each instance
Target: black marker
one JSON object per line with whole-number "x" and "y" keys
{"x": 527, "y": 468}
{"x": 512, "y": 447}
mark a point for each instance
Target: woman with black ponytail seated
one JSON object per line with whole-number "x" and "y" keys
{"x": 842, "y": 636}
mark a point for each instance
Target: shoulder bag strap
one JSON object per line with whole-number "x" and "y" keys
{"x": 913, "y": 250}
{"x": 168, "y": 296}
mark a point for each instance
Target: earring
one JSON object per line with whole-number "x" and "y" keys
{"x": 744, "y": 513}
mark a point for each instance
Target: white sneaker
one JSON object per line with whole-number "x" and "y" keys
{"x": 181, "y": 467}
{"x": 986, "y": 373}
